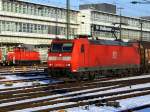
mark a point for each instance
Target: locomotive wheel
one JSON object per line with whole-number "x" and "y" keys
{"x": 91, "y": 76}
{"x": 79, "y": 76}
{"x": 52, "y": 73}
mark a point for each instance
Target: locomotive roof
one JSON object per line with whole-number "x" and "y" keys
{"x": 99, "y": 42}
{"x": 109, "y": 42}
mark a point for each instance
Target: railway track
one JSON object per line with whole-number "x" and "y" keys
{"x": 21, "y": 69}
{"x": 25, "y": 80}
{"x": 44, "y": 95}
{"x": 82, "y": 101}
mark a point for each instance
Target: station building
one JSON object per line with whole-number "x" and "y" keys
{"x": 30, "y": 23}
{"x": 100, "y": 24}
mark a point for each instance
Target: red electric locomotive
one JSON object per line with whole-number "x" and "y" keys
{"x": 82, "y": 57}
{"x": 22, "y": 56}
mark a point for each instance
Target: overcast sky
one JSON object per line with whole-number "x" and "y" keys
{"x": 129, "y": 9}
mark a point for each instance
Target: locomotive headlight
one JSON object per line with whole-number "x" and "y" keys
{"x": 66, "y": 58}
{"x": 68, "y": 65}
{"x": 51, "y": 58}
{"x": 50, "y": 64}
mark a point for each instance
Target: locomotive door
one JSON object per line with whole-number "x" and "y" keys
{"x": 84, "y": 55}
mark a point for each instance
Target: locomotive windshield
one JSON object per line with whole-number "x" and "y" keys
{"x": 61, "y": 47}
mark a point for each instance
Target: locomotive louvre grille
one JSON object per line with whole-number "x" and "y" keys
{"x": 114, "y": 55}
{"x": 52, "y": 58}
{"x": 64, "y": 58}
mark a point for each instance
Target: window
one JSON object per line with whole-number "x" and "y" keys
{"x": 0, "y": 26}
{"x": 33, "y": 28}
{"x": 8, "y": 26}
{"x": 31, "y": 9}
{"x": 9, "y": 6}
{"x": 61, "y": 47}
{"x": 5, "y": 6}
{"x": 58, "y": 14}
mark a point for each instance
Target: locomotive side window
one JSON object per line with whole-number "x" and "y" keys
{"x": 82, "y": 48}
{"x": 61, "y": 47}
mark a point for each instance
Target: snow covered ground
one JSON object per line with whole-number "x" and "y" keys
{"x": 24, "y": 84}
{"x": 16, "y": 77}
{"x": 124, "y": 104}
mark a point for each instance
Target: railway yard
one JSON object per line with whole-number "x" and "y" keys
{"x": 74, "y": 57}
{"x": 34, "y": 90}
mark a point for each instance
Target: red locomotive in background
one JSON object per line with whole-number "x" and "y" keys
{"x": 81, "y": 57}
{"x": 19, "y": 56}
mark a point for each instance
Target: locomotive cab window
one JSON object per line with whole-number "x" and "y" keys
{"x": 61, "y": 47}
{"x": 82, "y": 48}
{"x": 67, "y": 47}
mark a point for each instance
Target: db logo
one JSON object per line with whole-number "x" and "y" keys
{"x": 114, "y": 55}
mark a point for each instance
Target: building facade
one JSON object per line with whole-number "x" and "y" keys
{"x": 30, "y": 23}
{"x": 100, "y": 24}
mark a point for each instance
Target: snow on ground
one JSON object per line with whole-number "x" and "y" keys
{"x": 24, "y": 84}
{"x": 129, "y": 78}
{"x": 124, "y": 104}
{"x": 117, "y": 90}
{"x": 17, "y": 77}
{"x": 39, "y": 98}
{"x": 101, "y": 92}
{"x": 134, "y": 102}
{"x": 16, "y": 72}
{"x": 92, "y": 108}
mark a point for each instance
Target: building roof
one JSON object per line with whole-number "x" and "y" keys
{"x": 39, "y": 4}
{"x": 106, "y": 7}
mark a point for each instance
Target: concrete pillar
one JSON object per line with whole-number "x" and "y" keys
{"x": 85, "y": 22}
